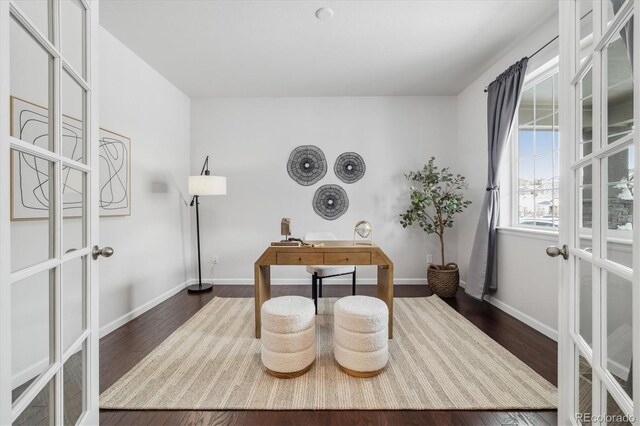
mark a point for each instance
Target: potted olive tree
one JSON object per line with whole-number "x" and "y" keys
{"x": 436, "y": 196}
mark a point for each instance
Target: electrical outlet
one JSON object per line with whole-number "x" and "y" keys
{"x": 216, "y": 259}
{"x": 429, "y": 258}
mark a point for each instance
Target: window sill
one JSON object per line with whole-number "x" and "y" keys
{"x": 537, "y": 234}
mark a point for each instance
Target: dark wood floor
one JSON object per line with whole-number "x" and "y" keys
{"x": 125, "y": 347}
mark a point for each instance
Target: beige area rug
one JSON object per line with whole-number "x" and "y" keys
{"x": 438, "y": 361}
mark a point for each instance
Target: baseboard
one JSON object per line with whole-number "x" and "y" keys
{"x": 238, "y": 281}
{"x": 521, "y": 316}
{"x": 307, "y": 281}
{"x": 119, "y": 322}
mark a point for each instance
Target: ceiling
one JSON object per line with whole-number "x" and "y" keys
{"x": 279, "y": 48}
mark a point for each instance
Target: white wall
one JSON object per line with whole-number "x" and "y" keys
{"x": 152, "y": 246}
{"x": 249, "y": 140}
{"x": 527, "y": 278}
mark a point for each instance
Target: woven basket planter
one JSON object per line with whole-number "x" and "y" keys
{"x": 444, "y": 282}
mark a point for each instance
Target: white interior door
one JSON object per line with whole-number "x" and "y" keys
{"x": 599, "y": 309}
{"x": 49, "y": 212}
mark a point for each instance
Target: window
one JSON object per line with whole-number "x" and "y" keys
{"x": 535, "y": 156}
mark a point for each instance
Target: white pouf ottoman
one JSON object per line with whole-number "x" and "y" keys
{"x": 361, "y": 335}
{"x": 288, "y": 336}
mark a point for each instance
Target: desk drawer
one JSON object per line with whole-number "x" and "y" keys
{"x": 357, "y": 258}
{"x": 299, "y": 258}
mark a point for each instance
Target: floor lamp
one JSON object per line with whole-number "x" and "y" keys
{"x": 202, "y": 185}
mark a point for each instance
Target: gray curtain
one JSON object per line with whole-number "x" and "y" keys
{"x": 502, "y": 102}
{"x": 626, "y": 33}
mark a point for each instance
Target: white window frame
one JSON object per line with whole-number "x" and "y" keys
{"x": 534, "y": 77}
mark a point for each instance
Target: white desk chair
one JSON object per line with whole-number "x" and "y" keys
{"x": 320, "y": 272}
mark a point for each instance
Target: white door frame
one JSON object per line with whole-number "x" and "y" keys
{"x": 568, "y": 340}
{"x": 9, "y": 411}
{"x": 566, "y": 95}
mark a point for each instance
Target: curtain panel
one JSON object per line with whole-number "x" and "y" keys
{"x": 503, "y": 96}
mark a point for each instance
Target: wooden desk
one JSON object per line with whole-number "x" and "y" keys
{"x": 332, "y": 253}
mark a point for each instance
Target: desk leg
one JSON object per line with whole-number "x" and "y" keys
{"x": 385, "y": 291}
{"x": 262, "y": 276}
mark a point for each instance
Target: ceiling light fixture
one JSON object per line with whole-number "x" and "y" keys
{"x": 324, "y": 13}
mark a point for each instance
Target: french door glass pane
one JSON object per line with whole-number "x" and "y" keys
{"x": 72, "y": 99}
{"x": 619, "y": 328}
{"x": 36, "y": 11}
{"x": 29, "y": 119}
{"x": 31, "y": 329}
{"x": 619, "y": 90}
{"x": 31, "y": 210}
{"x": 615, "y": 415}
{"x": 585, "y": 111}
{"x": 584, "y": 296}
{"x": 73, "y": 293}
{"x": 620, "y": 190}
{"x": 73, "y": 386}
{"x": 584, "y": 209}
{"x": 74, "y": 185}
{"x": 40, "y": 410}
{"x": 583, "y": 390}
{"x": 72, "y": 16}
{"x": 608, "y": 11}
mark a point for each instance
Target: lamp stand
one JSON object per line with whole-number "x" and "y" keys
{"x": 200, "y": 287}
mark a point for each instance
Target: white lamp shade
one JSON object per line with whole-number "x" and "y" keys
{"x": 207, "y": 185}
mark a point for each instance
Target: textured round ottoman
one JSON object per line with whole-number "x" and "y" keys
{"x": 361, "y": 333}
{"x": 288, "y": 336}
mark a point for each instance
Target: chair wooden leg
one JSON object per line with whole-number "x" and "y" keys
{"x": 353, "y": 283}
{"x": 314, "y": 291}
{"x": 319, "y": 286}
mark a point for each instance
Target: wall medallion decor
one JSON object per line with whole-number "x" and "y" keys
{"x": 330, "y": 202}
{"x": 30, "y": 175}
{"x": 307, "y": 165}
{"x": 349, "y": 167}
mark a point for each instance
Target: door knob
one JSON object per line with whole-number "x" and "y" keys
{"x": 104, "y": 252}
{"x": 556, "y": 251}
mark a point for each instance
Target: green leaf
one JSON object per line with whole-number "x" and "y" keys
{"x": 435, "y": 198}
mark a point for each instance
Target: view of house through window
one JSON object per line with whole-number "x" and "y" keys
{"x": 537, "y": 155}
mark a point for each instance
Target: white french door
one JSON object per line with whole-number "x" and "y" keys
{"x": 48, "y": 212}
{"x": 599, "y": 318}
